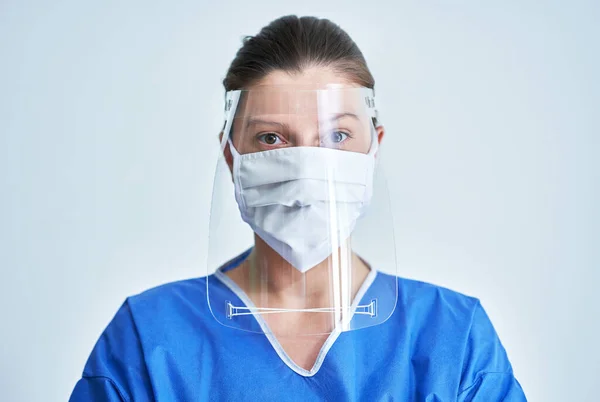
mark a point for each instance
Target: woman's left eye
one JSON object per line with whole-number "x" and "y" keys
{"x": 336, "y": 137}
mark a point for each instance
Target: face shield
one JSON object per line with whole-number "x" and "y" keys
{"x": 300, "y": 198}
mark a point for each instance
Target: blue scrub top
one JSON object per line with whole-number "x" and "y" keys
{"x": 165, "y": 345}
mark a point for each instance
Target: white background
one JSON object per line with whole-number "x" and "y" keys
{"x": 109, "y": 113}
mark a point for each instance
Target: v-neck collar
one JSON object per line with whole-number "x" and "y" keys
{"x": 227, "y": 281}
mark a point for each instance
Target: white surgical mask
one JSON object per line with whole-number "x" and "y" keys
{"x": 303, "y": 201}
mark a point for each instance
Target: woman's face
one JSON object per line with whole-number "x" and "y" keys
{"x": 316, "y": 107}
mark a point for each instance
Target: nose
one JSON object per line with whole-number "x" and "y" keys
{"x": 307, "y": 132}
{"x": 307, "y": 138}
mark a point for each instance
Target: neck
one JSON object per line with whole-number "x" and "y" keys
{"x": 269, "y": 279}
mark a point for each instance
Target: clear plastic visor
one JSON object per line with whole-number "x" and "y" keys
{"x": 299, "y": 197}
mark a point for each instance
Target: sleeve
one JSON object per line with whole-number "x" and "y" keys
{"x": 116, "y": 369}
{"x": 487, "y": 374}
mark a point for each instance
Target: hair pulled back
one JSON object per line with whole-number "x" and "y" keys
{"x": 292, "y": 44}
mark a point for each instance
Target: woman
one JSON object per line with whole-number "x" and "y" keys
{"x": 300, "y": 316}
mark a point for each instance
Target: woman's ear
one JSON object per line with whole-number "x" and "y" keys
{"x": 380, "y": 133}
{"x": 227, "y": 153}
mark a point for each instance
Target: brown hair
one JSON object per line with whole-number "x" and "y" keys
{"x": 293, "y": 43}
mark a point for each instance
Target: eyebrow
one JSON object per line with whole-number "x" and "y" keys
{"x": 255, "y": 120}
{"x": 346, "y": 114}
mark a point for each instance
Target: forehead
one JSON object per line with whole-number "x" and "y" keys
{"x": 283, "y": 101}
{"x": 315, "y": 77}
{"x": 315, "y": 90}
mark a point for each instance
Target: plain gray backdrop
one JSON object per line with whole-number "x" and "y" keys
{"x": 109, "y": 115}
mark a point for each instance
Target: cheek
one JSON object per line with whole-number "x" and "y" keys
{"x": 363, "y": 141}
{"x": 243, "y": 143}
{"x": 359, "y": 145}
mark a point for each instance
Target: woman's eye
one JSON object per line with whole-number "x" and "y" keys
{"x": 270, "y": 139}
{"x": 336, "y": 137}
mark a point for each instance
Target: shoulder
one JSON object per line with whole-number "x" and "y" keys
{"x": 169, "y": 295}
{"x": 441, "y": 304}
{"x": 413, "y": 289}
{"x": 438, "y": 308}
{"x": 448, "y": 322}
{"x": 169, "y": 311}
{"x": 418, "y": 299}
{"x": 157, "y": 315}
{"x": 154, "y": 302}
{"x": 436, "y": 316}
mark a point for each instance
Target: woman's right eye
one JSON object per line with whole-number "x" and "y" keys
{"x": 270, "y": 139}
